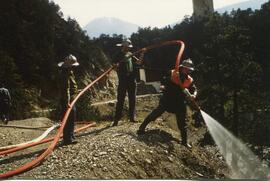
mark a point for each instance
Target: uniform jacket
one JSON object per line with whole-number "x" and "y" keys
{"x": 68, "y": 87}
{"x": 126, "y": 68}
{"x": 4, "y": 96}
{"x": 173, "y": 99}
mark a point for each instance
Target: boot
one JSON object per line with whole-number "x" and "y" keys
{"x": 69, "y": 141}
{"x": 140, "y": 131}
{"x": 115, "y": 123}
{"x": 184, "y": 143}
{"x": 5, "y": 121}
{"x": 133, "y": 120}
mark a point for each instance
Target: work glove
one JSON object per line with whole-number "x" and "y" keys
{"x": 162, "y": 87}
{"x": 188, "y": 94}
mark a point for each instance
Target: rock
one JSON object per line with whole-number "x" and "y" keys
{"x": 170, "y": 158}
{"x": 131, "y": 161}
{"x": 148, "y": 161}
{"x": 102, "y": 153}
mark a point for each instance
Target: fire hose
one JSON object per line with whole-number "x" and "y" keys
{"x": 41, "y": 158}
{"x": 27, "y": 144}
{"x": 24, "y": 127}
{"x": 12, "y": 150}
{"x": 41, "y": 137}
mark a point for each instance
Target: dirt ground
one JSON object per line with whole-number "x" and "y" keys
{"x": 105, "y": 152}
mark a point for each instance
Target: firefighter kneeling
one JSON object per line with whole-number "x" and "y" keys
{"x": 174, "y": 98}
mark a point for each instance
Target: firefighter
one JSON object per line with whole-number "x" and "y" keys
{"x": 126, "y": 80}
{"x": 5, "y": 103}
{"x": 174, "y": 99}
{"x": 68, "y": 90}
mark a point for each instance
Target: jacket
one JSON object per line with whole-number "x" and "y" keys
{"x": 68, "y": 87}
{"x": 4, "y": 96}
{"x": 126, "y": 66}
{"x": 173, "y": 99}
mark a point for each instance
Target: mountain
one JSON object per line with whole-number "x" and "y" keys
{"x": 108, "y": 25}
{"x": 253, "y": 4}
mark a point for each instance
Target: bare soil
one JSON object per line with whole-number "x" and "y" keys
{"x": 105, "y": 152}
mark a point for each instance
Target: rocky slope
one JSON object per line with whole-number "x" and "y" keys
{"x": 105, "y": 152}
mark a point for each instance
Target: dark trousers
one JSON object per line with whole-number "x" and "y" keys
{"x": 68, "y": 132}
{"x": 127, "y": 85}
{"x": 4, "y": 111}
{"x": 180, "y": 117}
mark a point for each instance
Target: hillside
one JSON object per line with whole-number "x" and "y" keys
{"x": 110, "y": 26}
{"x": 105, "y": 152}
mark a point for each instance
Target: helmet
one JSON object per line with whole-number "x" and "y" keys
{"x": 71, "y": 58}
{"x": 70, "y": 61}
{"x": 125, "y": 43}
{"x": 187, "y": 64}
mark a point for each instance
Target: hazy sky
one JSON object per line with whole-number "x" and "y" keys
{"x": 141, "y": 12}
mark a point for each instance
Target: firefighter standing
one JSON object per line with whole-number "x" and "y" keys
{"x": 126, "y": 80}
{"x": 5, "y": 103}
{"x": 68, "y": 90}
{"x": 173, "y": 99}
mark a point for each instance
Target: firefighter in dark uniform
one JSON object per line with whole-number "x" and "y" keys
{"x": 173, "y": 99}
{"x": 68, "y": 90}
{"x": 126, "y": 80}
{"x": 5, "y": 103}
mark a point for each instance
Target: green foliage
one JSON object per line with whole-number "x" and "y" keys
{"x": 8, "y": 71}
{"x": 34, "y": 37}
{"x": 84, "y": 110}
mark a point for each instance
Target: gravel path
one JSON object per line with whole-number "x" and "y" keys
{"x": 105, "y": 152}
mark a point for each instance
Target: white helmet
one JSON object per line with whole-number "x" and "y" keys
{"x": 187, "y": 64}
{"x": 70, "y": 61}
{"x": 125, "y": 43}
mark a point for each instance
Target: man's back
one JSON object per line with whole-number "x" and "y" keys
{"x": 4, "y": 95}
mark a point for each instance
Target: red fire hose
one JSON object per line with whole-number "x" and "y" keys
{"x": 39, "y": 159}
{"x": 173, "y": 42}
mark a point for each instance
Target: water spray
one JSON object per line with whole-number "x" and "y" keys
{"x": 242, "y": 162}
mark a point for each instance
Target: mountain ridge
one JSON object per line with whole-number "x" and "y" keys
{"x": 110, "y": 25}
